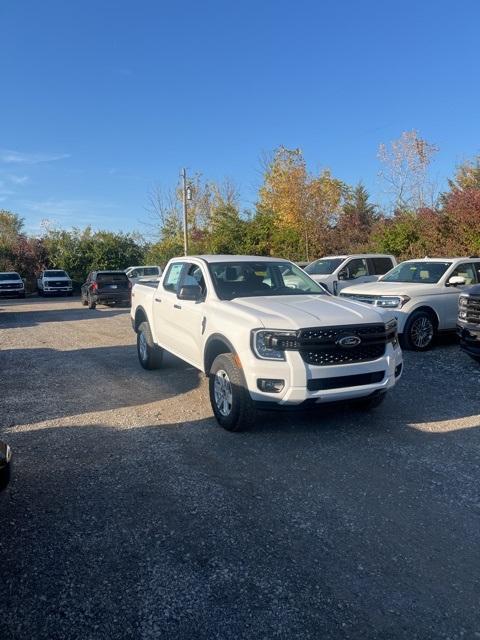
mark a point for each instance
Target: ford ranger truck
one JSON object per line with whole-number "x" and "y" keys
{"x": 468, "y": 324}
{"x": 423, "y": 294}
{"x": 266, "y": 335}
{"x": 54, "y": 282}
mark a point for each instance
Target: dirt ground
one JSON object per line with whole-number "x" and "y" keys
{"x": 131, "y": 514}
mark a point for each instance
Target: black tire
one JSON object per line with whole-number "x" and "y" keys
{"x": 40, "y": 292}
{"x": 22, "y": 295}
{"x": 231, "y": 403}
{"x": 419, "y": 332}
{"x": 149, "y": 355}
{"x": 370, "y": 402}
{"x": 91, "y": 303}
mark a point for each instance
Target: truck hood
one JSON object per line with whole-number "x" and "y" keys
{"x": 301, "y": 311}
{"x": 394, "y": 289}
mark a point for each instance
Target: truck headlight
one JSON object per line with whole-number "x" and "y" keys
{"x": 271, "y": 344}
{"x": 391, "y": 331}
{"x": 462, "y": 301}
{"x": 392, "y": 302}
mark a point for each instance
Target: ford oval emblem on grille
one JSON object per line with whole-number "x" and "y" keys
{"x": 347, "y": 342}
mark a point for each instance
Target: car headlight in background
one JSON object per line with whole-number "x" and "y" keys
{"x": 392, "y": 302}
{"x": 269, "y": 344}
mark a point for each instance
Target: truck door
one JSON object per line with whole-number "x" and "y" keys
{"x": 355, "y": 271}
{"x": 189, "y": 317}
{"x": 164, "y": 311}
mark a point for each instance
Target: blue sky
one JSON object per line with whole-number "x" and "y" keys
{"x": 103, "y": 99}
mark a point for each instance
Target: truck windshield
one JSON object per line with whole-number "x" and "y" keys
{"x": 9, "y": 276}
{"x": 417, "y": 272}
{"x": 323, "y": 267}
{"x": 55, "y": 274}
{"x": 262, "y": 278}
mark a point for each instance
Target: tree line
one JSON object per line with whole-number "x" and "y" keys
{"x": 298, "y": 215}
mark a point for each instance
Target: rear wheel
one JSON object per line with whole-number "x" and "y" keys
{"x": 230, "y": 399}
{"x": 149, "y": 355}
{"x": 419, "y": 331}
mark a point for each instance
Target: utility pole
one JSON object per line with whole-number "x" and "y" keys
{"x": 185, "y": 221}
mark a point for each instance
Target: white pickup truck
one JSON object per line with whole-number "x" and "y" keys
{"x": 265, "y": 334}
{"x": 335, "y": 273}
{"x": 54, "y": 281}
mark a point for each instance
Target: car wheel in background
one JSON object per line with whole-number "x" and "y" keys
{"x": 232, "y": 405}
{"x": 149, "y": 355}
{"x": 419, "y": 332}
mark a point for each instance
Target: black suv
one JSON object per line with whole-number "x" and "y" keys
{"x": 468, "y": 325}
{"x": 106, "y": 287}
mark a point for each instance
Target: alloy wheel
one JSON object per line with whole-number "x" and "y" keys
{"x": 223, "y": 393}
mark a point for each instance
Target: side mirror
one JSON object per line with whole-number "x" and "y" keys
{"x": 343, "y": 274}
{"x": 456, "y": 281}
{"x": 190, "y": 292}
{"x": 5, "y": 464}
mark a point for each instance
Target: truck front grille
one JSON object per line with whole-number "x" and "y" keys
{"x": 320, "y": 346}
{"x": 472, "y": 309}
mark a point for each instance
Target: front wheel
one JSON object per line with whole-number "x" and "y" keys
{"x": 419, "y": 332}
{"x": 149, "y": 355}
{"x": 230, "y": 399}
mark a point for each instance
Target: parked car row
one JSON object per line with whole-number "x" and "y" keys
{"x": 267, "y": 334}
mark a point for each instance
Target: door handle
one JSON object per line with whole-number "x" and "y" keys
{"x": 177, "y": 306}
{"x": 158, "y": 299}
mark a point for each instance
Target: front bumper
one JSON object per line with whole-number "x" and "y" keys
{"x": 11, "y": 293}
{"x": 319, "y": 384}
{"x": 469, "y": 335}
{"x": 109, "y": 298}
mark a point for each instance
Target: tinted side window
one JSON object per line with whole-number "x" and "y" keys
{"x": 194, "y": 275}
{"x": 381, "y": 266}
{"x": 356, "y": 268}
{"x": 150, "y": 271}
{"x": 477, "y": 270}
{"x": 466, "y": 271}
{"x": 172, "y": 277}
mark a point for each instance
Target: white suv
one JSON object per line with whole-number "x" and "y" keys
{"x": 335, "y": 273}
{"x": 423, "y": 293}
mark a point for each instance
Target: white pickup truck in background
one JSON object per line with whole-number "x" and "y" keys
{"x": 143, "y": 273}
{"x": 54, "y": 282}
{"x": 335, "y": 273}
{"x": 264, "y": 333}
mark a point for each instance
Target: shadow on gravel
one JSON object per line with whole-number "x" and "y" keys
{"x": 187, "y": 531}
{"x": 13, "y": 319}
{"x": 43, "y": 384}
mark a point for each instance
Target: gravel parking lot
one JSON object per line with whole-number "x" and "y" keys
{"x": 131, "y": 514}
